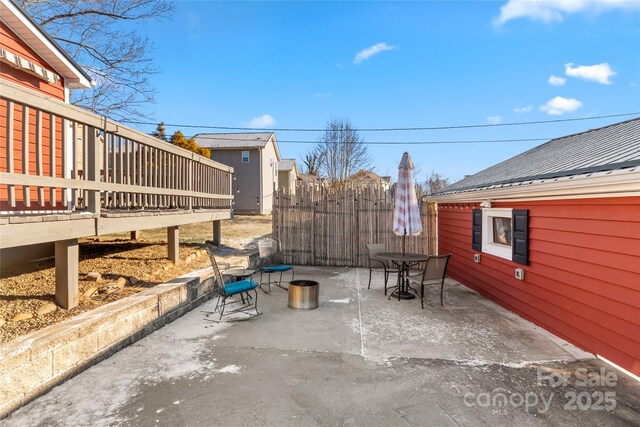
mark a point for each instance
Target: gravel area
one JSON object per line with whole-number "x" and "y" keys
{"x": 26, "y": 288}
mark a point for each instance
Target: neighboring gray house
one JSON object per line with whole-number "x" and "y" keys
{"x": 287, "y": 176}
{"x": 254, "y": 158}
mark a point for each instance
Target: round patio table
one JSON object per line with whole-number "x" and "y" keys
{"x": 404, "y": 262}
{"x": 239, "y": 273}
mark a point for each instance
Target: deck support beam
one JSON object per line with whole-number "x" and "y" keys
{"x": 173, "y": 239}
{"x": 67, "y": 252}
{"x": 217, "y": 233}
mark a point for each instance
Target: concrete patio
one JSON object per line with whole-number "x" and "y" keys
{"x": 359, "y": 359}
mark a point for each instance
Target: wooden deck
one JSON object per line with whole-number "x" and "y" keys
{"x": 60, "y": 163}
{"x": 67, "y": 173}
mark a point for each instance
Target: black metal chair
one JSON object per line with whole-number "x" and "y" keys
{"x": 226, "y": 290}
{"x": 379, "y": 265}
{"x": 434, "y": 272}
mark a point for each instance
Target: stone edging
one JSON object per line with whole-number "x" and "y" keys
{"x": 33, "y": 364}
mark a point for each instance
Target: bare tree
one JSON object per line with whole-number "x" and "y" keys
{"x": 101, "y": 36}
{"x": 342, "y": 151}
{"x": 436, "y": 182}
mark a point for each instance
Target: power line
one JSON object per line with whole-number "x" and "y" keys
{"x": 481, "y": 125}
{"x": 474, "y": 141}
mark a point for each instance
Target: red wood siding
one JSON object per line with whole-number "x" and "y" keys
{"x": 14, "y": 44}
{"x": 583, "y": 281}
{"x": 32, "y": 164}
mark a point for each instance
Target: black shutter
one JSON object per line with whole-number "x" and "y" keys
{"x": 476, "y": 226}
{"x": 520, "y": 241}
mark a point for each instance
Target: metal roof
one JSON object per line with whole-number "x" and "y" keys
{"x": 233, "y": 140}
{"x": 607, "y": 148}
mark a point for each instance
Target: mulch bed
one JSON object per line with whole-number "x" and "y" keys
{"x": 26, "y": 288}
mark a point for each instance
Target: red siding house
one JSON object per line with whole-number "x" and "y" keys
{"x": 553, "y": 234}
{"x": 67, "y": 173}
{"x": 31, "y": 59}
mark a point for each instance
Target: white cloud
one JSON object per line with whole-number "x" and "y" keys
{"x": 367, "y": 53}
{"x": 598, "y": 73}
{"x": 526, "y": 109}
{"x": 494, "y": 120}
{"x": 556, "y": 10}
{"x": 323, "y": 95}
{"x": 263, "y": 121}
{"x": 557, "y": 81}
{"x": 559, "y": 105}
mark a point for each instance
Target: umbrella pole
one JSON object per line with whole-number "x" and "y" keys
{"x": 404, "y": 242}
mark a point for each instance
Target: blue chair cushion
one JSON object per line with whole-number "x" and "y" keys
{"x": 275, "y": 268}
{"x": 237, "y": 287}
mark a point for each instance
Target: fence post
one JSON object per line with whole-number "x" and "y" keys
{"x": 93, "y": 170}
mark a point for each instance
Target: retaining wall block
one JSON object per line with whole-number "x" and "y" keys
{"x": 11, "y": 405}
{"x": 124, "y": 326}
{"x": 76, "y": 351}
{"x": 172, "y": 297}
{"x": 14, "y": 353}
{"x": 26, "y": 376}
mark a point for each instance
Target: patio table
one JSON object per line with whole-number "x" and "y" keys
{"x": 239, "y": 273}
{"x": 404, "y": 263}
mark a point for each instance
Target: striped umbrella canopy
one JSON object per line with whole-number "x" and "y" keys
{"x": 406, "y": 212}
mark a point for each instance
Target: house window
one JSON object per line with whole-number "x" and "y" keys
{"x": 245, "y": 157}
{"x": 497, "y": 229}
{"x": 502, "y": 232}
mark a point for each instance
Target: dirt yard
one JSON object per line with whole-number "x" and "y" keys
{"x": 28, "y": 288}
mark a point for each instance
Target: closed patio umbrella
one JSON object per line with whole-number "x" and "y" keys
{"x": 406, "y": 212}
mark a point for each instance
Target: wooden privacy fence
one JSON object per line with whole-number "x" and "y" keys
{"x": 319, "y": 226}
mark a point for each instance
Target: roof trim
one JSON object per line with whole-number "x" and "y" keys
{"x": 275, "y": 146}
{"x": 21, "y": 24}
{"x": 550, "y": 175}
{"x": 618, "y": 183}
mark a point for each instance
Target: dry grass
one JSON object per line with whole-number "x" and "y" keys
{"x": 26, "y": 287}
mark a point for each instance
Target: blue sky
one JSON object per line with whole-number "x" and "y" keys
{"x": 394, "y": 65}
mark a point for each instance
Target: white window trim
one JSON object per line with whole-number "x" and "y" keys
{"x": 488, "y": 246}
{"x": 248, "y": 157}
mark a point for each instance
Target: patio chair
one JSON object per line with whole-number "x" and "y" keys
{"x": 377, "y": 264}
{"x": 266, "y": 250}
{"x": 227, "y": 290}
{"x": 434, "y": 272}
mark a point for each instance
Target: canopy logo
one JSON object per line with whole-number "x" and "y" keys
{"x": 583, "y": 392}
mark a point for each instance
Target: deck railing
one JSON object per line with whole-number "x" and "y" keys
{"x": 55, "y": 156}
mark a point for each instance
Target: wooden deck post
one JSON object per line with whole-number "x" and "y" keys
{"x": 93, "y": 169}
{"x": 66, "y": 252}
{"x": 217, "y": 233}
{"x": 135, "y": 235}
{"x": 173, "y": 238}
